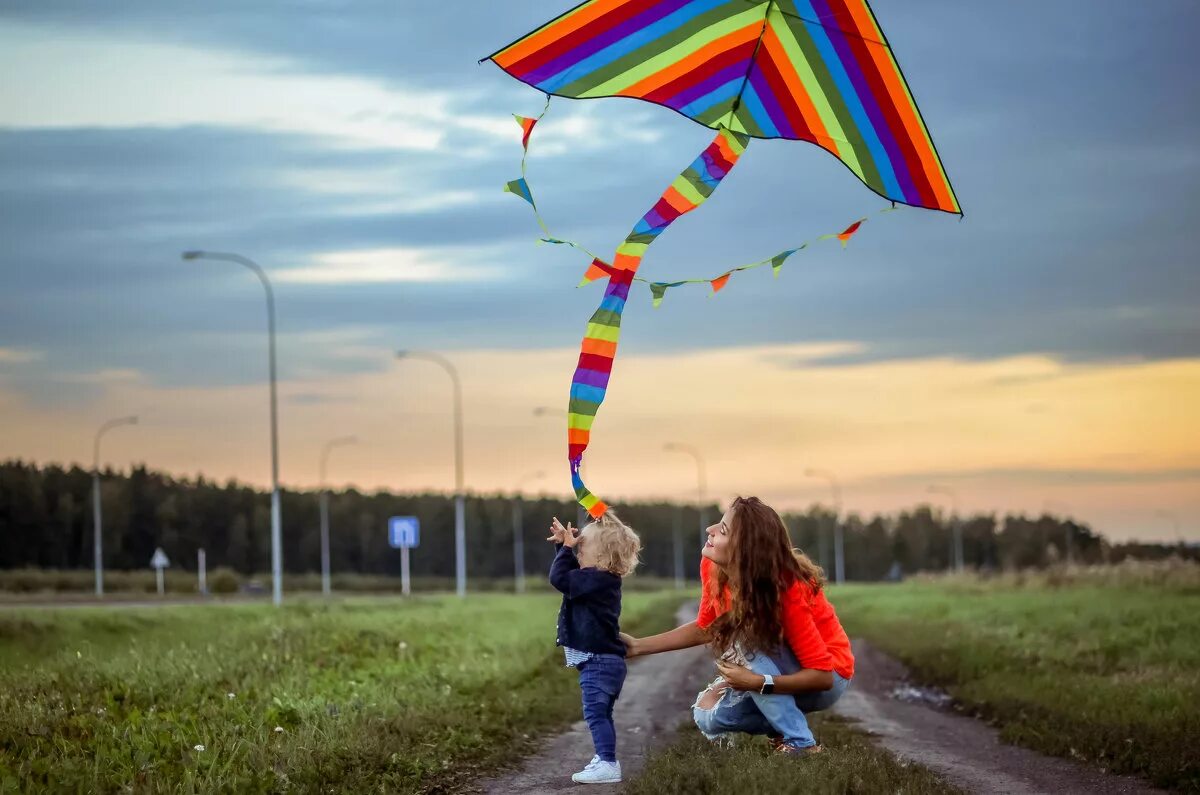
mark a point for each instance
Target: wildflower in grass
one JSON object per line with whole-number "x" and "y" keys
{"x": 231, "y": 696}
{"x": 279, "y": 730}
{"x": 199, "y": 747}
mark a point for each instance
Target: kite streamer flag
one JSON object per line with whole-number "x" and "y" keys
{"x": 820, "y": 71}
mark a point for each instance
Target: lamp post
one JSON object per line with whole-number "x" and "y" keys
{"x": 1069, "y": 527}
{"x": 687, "y": 449}
{"x": 581, "y": 516}
{"x": 460, "y": 527}
{"x": 839, "y": 558}
{"x": 97, "y": 518}
{"x": 518, "y": 522}
{"x": 677, "y": 541}
{"x": 955, "y": 524}
{"x": 341, "y": 441}
{"x": 276, "y": 510}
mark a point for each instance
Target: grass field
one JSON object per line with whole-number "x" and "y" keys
{"x": 850, "y": 764}
{"x": 369, "y": 695}
{"x": 1098, "y": 665}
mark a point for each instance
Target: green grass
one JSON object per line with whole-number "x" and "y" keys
{"x": 1096, "y": 667}
{"x": 370, "y": 695}
{"x": 850, "y": 764}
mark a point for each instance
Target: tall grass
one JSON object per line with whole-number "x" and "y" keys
{"x": 350, "y": 697}
{"x": 1095, "y": 664}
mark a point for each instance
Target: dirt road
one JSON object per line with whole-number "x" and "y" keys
{"x": 905, "y": 720}
{"x": 656, "y": 699}
{"x": 964, "y": 751}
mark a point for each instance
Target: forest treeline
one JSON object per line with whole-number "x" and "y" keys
{"x": 46, "y": 522}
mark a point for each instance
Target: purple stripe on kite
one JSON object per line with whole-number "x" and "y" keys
{"x": 606, "y": 39}
{"x": 871, "y": 105}
{"x": 771, "y": 104}
{"x": 712, "y": 169}
{"x": 655, "y": 220}
{"x": 590, "y": 378}
{"x": 698, "y": 90}
{"x": 619, "y": 289}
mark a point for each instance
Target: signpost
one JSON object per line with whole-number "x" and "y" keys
{"x": 201, "y": 567}
{"x": 158, "y": 563}
{"x": 404, "y": 533}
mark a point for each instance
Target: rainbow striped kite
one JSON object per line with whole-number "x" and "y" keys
{"x": 807, "y": 70}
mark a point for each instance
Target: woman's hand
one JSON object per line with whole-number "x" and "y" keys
{"x": 631, "y": 645}
{"x": 739, "y": 677}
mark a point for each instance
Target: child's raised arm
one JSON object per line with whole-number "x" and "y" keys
{"x": 565, "y": 561}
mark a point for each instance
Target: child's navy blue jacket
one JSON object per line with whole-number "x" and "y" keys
{"x": 589, "y": 618}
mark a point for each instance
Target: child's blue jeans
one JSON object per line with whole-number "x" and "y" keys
{"x": 600, "y": 680}
{"x": 754, "y": 713}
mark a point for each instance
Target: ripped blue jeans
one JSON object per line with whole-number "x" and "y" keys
{"x": 754, "y": 713}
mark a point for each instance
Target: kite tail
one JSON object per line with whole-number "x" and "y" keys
{"x": 689, "y": 190}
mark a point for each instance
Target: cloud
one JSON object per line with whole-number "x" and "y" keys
{"x": 18, "y": 356}
{"x": 383, "y": 266}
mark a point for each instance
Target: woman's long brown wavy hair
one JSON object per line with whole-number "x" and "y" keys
{"x": 762, "y": 566}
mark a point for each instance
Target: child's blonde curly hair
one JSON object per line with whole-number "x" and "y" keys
{"x": 616, "y": 544}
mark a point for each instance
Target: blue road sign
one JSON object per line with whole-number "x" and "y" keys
{"x": 404, "y": 531}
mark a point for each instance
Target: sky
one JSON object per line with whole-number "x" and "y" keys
{"x": 1041, "y": 353}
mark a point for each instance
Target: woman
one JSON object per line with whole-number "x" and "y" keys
{"x": 782, "y": 651}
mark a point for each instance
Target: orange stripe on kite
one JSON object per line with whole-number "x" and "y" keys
{"x": 680, "y": 68}
{"x": 556, "y": 30}
{"x": 812, "y": 118}
{"x": 626, "y": 262}
{"x": 599, "y": 347}
{"x": 578, "y": 436}
{"x": 677, "y": 200}
{"x": 885, "y": 63}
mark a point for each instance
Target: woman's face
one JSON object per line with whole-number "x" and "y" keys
{"x": 716, "y": 548}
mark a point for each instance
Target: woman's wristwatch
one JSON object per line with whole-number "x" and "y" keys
{"x": 768, "y": 685}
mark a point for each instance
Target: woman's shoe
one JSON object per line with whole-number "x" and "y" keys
{"x": 791, "y": 750}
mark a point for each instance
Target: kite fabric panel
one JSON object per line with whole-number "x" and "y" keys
{"x": 808, "y": 70}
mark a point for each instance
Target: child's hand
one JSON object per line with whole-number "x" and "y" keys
{"x": 557, "y": 532}
{"x": 570, "y": 536}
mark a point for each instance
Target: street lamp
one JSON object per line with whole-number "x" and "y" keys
{"x": 839, "y": 560}
{"x": 276, "y": 510}
{"x": 1069, "y": 530}
{"x": 581, "y": 516}
{"x": 342, "y": 441}
{"x": 97, "y": 519}
{"x": 955, "y": 524}
{"x": 460, "y": 526}
{"x": 518, "y": 521}
{"x": 687, "y": 449}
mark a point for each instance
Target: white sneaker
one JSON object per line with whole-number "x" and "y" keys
{"x": 599, "y": 772}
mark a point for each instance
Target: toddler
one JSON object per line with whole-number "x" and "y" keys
{"x": 588, "y": 570}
